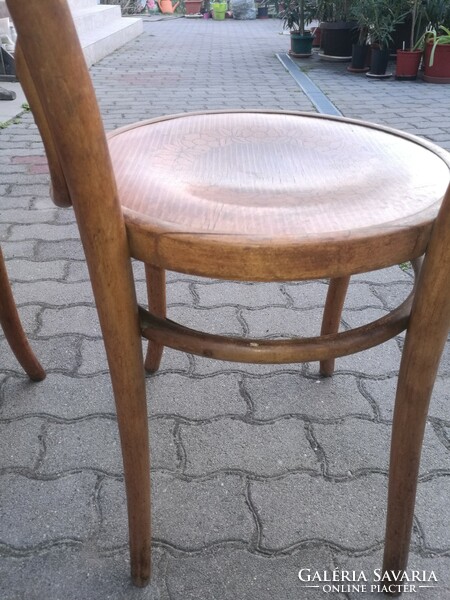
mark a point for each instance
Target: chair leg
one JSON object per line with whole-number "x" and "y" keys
{"x": 156, "y": 291}
{"x": 12, "y": 328}
{"x": 337, "y": 290}
{"x": 425, "y": 339}
{"x": 118, "y": 315}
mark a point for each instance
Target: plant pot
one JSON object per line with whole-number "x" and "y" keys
{"x": 219, "y": 9}
{"x": 301, "y": 45}
{"x": 440, "y": 71}
{"x": 263, "y": 12}
{"x": 379, "y": 60}
{"x": 317, "y": 37}
{"x": 192, "y": 6}
{"x": 337, "y": 39}
{"x": 400, "y": 35}
{"x": 360, "y": 58}
{"x": 408, "y": 62}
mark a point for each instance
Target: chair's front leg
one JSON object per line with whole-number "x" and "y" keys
{"x": 156, "y": 291}
{"x": 337, "y": 291}
{"x": 12, "y": 328}
{"x": 115, "y": 297}
{"x": 425, "y": 339}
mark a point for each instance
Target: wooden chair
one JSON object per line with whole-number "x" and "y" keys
{"x": 244, "y": 195}
{"x": 12, "y": 328}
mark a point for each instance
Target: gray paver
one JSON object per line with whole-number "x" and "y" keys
{"x": 269, "y": 449}
{"x": 297, "y": 507}
{"x": 188, "y": 515}
{"x": 31, "y": 509}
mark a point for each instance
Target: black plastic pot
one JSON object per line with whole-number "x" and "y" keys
{"x": 263, "y": 12}
{"x": 379, "y": 60}
{"x": 360, "y": 58}
{"x": 337, "y": 38}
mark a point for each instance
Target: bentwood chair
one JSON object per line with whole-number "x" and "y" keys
{"x": 250, "y": 196}
{"x": 12, "y": 328}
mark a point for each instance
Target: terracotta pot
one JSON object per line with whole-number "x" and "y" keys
{"x": 192, "y": 6}
{"x": 408, "y": 62}
{"x": 440, "y": 71}
{"x": 317, "y": 36}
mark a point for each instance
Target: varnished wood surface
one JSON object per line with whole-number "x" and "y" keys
{"x": 296, "y": 191}
{"x": 12, "y": 328}
{"x": 274, "y": 175}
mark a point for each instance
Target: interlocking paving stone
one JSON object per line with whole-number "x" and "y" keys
{"x": 27, "y": 453}
{"x": 383, "y": 393}
{"x": 188, "y": 398}
{"x": 222, "y": 321}
{"x": 281, "y": 394}
{"x": 433, "y": 513}
{"x": 55, "y": 354}
{"x": 28, "y": 521}
{"x": 187, "y": 515}
{"x": 74, "y": 319}
{"x": 240, "y": 294}
{"x": 299, "y": 507}
{"x": 70, "y": 446}
{"x": 27, "y": 270}
{"x": 58, "y": 395}
{"x": 269, "y": 449}
{"x": 439, "y": 565}
{"x": 228, "y": 573}
{"x": 77, "y": 574}
{"x": 364, "y": 445}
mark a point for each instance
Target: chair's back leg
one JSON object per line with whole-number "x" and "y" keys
{"x": 337, "y": 291}
{"x": 12, "y": 328}
{"x": 425, "y": 339}
{"x": 156, "y": 291}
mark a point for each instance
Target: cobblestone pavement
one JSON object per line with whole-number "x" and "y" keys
{"x": 258, "y": 471}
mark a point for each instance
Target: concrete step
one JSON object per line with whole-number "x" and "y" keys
{"x": 80, "y": 4}
{"x": 99, "y": 43}
{"x": 101, "y": 28}
{"x": 91, "y": 18}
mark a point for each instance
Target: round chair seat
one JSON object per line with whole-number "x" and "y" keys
{"x": 239, "y": 189}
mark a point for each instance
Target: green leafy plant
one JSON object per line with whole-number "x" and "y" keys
{"x": 298, "y": 14}
{"x": 379, "y": 18}
{"x": 334, "y": 10}
{"x": 433, "y": 36}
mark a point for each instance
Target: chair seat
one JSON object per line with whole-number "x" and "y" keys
{"x": 230, "y": 193}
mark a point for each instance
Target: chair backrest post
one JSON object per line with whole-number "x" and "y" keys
{"x": 65, "y": 96}
{"x": 53, "y": 55}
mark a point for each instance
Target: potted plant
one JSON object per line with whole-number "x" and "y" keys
{"x": 380, "y": 17}
{"x": 360, "y": 48}
{"x": 338, "y": 31}
{"x": 192, "y": 7}
{"x": 437, "y": 42}
{"x": 296, "y": 15}
{"x": 218, "y": 10}
{"x": 408, "y": 59}
{"x": 263, "y": 9}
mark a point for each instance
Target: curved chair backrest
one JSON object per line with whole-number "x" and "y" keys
{"x": 60, "y": 193}
{"x": 63, "y": 101}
